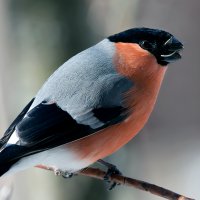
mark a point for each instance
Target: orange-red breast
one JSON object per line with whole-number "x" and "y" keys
{"x": 93, "y": 104}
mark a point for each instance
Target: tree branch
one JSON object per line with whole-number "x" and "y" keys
{"x": 126, "y": 181}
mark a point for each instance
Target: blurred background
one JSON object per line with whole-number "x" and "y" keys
{"x": 38, "y": 36}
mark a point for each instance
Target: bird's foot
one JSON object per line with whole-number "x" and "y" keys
{"x": 64, "y": 174}
{"x": 112, "y": 169}
{"x": 57, "y": 172}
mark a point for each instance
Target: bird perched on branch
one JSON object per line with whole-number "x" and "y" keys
{"x": 92, "y": 105}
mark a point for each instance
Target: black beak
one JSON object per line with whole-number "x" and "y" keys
{"x": 171, "y": 50}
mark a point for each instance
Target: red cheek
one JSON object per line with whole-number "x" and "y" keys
{"x": 130, "y": 59}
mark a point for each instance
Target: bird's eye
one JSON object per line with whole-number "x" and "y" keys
{"x": 146, "y": 45}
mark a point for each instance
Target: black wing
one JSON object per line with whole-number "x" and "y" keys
{"x": 11, "y": 128}
{"x": 47, "y": 126}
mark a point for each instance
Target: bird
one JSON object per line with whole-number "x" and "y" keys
{"x": 92, "y": 105}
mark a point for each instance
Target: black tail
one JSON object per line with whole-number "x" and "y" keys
{"x": 11, "y": 128}
{"x": 9, "y": 156}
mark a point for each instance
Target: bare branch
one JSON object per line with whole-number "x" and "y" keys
{"x": 126, "y": 181}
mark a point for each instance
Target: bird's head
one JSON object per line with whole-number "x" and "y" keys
{"x": 163, "y": 45}
{"x": 143, "y": 52}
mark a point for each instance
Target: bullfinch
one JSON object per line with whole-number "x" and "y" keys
{"x": 92, "y": 105}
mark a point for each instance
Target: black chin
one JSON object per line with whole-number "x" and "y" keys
{"x": 170, "y": 59}
{"x": 163, "y": 63}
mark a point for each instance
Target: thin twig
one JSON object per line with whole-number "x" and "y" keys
{"x": 126, "y": 181}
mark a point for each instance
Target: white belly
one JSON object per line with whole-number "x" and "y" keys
{"x": 59, "y": 158}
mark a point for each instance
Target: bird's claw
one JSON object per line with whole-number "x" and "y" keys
{"x": 64, "y": 174}
{"x": 57, "y": 172}
{"x": 111, "y": 171}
